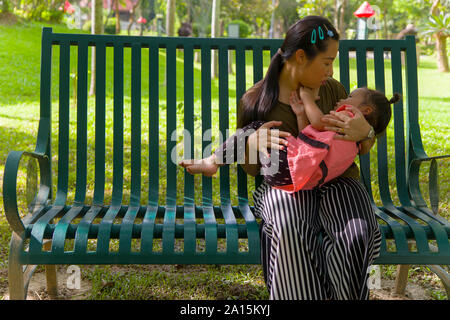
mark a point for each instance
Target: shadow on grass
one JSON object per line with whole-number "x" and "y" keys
{"x": 437, "y": 99}
{"x": 14, "y": 139}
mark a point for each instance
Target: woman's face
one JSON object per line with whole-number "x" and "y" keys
{"x": 313, "y": 73}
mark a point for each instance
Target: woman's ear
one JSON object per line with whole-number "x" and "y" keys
{"x": 366, "y": 110}
{"x": 300, "y": 56}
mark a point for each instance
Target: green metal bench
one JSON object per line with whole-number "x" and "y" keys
{"x": 52, "y": 222}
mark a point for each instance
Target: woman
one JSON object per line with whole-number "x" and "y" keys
{"x": 297, "y": 264}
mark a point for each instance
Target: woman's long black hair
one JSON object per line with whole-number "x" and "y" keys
{"x": 262, "y": 97}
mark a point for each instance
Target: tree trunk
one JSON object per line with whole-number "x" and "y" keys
{"x": 5, "y": 6}
{"x": 342, "y": 23}
{"x": 117, "y": 16}
{"x": 434, "y": 7}
{"x": 386, "y": 35}
{"x": 272, "y": 20}
{"x": 96, "y": 28}
{"x": 215, "y": 33}
{"x": 170, "y": 18}
{"x": 336, "y": 14}
{"x": 441, "y": 48}
{"x": 132, "y": 16}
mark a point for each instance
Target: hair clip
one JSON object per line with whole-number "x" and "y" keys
{"x": 320, "y": 33}
{"x": 329, "y": 32}
{"x": 313, "y": 36}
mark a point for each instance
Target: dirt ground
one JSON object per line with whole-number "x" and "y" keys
{"x": 37, "y": 290}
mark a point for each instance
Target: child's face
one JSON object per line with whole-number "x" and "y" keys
{"x": 355, "y": 98}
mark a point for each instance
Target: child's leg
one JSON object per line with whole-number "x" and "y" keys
{"x": 277, "y": 174}
{"x": 233, "y": 149}
{"x": 227, "y": 153}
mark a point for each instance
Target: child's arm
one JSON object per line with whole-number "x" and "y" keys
{"x": 299, "y": 110}
{"x": 366, "y": 145}
{"x": 313, "y": 112}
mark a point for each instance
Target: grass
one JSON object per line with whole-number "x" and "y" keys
{"x": 19, "y": 114}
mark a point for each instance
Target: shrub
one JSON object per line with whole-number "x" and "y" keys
{"x": 245, "y": 29}
{"x": 110, "y": 26}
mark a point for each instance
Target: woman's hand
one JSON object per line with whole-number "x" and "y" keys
{"x": 264, "y": 138}
{"x": 351, "y": 129}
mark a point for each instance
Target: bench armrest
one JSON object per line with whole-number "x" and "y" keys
{"x": 413, "y": 181}
{"x": 10, "y": 185}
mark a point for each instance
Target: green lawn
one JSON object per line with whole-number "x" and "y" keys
{"x": 19, "y": 114}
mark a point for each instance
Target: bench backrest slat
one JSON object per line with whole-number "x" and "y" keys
{"x": 223, "y": 121}
{"x": 399, "y": 123}
{"x": 82, "y": 122}
{"x": 240, "y": 90}
{"x": 188, "y": 84}
{"x": 135, "y": 124}
{"x": 361, "y": 68}
{"x": 63, "y": 140}
{"x": 100, "y": 126}
{"x": 382, "y": 139}
{"x": 206, "y": 122}
{"x": 118, "y": 139}
{"x": 171, "y": 124}
{"x": 154, "y": 109}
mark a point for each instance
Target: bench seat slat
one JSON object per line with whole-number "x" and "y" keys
{"x": 59, "y": 235}
{"x": 104, "y": 230}
{"x": 396, "y": 229}
{"x": 82, "y": 232}
{"x": 37, "y": 234}
{"x": 147, "y": 229}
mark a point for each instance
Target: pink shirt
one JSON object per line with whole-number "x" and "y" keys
{"x": 315, "y": 158}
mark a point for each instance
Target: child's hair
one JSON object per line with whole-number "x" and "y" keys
{"x": 381, "y": 115}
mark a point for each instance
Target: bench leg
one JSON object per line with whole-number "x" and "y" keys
{"x": 401, "y": 279}
{"x": 51, "y": 275}
{"x": 443, "y": 275}
{"x": 17, "y": 290}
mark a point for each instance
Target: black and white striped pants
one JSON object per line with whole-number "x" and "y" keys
{"x": 297, "y": 264}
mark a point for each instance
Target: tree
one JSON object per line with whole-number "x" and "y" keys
{"x": 438, "y": 27}
{"x": 215, "y": 33}
{"x": 170, "y": 18}
{"x": 96, "y": 28}
{"x": 135, "y": 4}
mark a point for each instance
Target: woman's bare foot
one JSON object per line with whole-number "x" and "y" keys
{"x": 207, "y": 166}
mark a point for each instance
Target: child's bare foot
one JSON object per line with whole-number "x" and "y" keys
{"x": 207, "y": 166}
